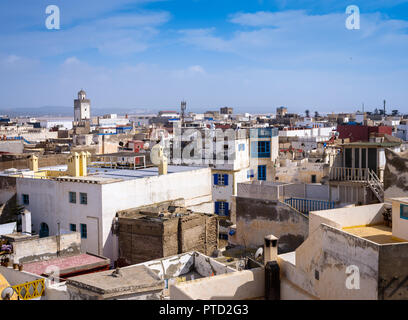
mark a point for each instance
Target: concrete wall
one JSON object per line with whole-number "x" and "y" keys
{"x": 302, "y": 173}
{"x": 399, "y": 225}
{"x": 242, "y": 285}
{"x": 11, "y": 146}
{"x": 257, "y": 218}
{"x": 347, "y": 217}
{"x": 327, "y": 253}
{"x": 393, "y": 272}
{"x": 194, "y": 186}
{"x": 39, "y": 249}
{"x": 7, "y": 188}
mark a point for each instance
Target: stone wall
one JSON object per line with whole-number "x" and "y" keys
{"x": 144, "y": 239}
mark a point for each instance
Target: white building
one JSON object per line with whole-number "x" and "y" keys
{"x": 89, "y": 203}
{"x": 264, "y": 151}
{"x": 402, "y": 130}
{"x": 227, "y": 176}
{"x": 63, "y": 123}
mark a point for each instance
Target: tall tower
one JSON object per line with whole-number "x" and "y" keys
{"x": 82, "y": 107}
{"x": 384, "y": 107}
{"x": 183, "y": 111}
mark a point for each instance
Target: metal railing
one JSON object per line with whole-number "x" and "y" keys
{"x": 30, "y": 290}
{"x": 307, "y": 205}
{"x": 359, "y": 174}
{"x": 349, "y": 174}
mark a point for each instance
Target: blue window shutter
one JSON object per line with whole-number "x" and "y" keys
{"x": 217, "y": 207}
{"x": 254, "y": 149}
{"x": 216, "y": 179}
{"x": 226, "y": 179}
{"x": 226, "y": 205}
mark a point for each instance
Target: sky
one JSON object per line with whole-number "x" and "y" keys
{"x": 252, "y": 55}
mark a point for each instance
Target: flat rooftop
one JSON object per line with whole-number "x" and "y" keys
{"x": 379, "y": 234}
{"x": 131, "y": 280}
{"x": 108, "y": 175}
{"x": 68, "y": 264}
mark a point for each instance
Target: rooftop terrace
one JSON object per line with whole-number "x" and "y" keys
{"x": 380, "y": 234}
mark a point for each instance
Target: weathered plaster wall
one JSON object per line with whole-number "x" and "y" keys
{"x": 45, "y": 248}
{"x": 395, "y": 175}
{"x": 7, "y": 188}
{"x": 393, "y": 272}
{"x": 327, "y": 253}
{"x": 257, "y": 218}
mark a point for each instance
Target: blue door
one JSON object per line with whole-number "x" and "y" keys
{"x": 262, "y": 173}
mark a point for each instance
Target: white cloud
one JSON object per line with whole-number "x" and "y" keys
{"x": 71, "y": 61}
{"x": 196, "y": 69}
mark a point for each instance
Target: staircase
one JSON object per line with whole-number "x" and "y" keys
{"x": 363, "y": 175}
{"x": 375, "y": 185}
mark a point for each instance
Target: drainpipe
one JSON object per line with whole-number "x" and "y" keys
{"x": 58, "y": 240}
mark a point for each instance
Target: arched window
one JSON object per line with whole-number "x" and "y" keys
{"x": 44, "y": 230}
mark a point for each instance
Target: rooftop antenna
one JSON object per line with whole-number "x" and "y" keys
{"x": 384, "y": 107}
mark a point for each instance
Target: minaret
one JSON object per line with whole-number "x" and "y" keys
{"x": 82, "y": 107}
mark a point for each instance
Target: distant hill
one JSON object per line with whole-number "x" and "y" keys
{"x": 68, "y": 111}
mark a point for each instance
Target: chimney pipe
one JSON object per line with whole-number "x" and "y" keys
{"x": 270, "y": 249}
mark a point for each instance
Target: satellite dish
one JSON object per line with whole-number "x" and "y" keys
{"x": 156, "y": 154}
{"x": 259, "y": 253}
{"x": 7, "y": 293}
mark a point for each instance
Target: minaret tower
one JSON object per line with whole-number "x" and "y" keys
{"x": 82, "y": 107}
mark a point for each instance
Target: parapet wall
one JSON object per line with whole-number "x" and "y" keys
{"x": 38, "y": 249}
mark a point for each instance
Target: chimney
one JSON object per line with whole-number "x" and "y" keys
{"x": 33, "y": 163}
{"x": 73, "y": 165}
{"x": 270, "y": 249}
{"x": 83, "y": 161}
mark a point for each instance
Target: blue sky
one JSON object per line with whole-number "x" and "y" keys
{"x": 251, "y": 55}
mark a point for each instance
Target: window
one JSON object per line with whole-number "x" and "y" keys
{"x": 72, "y": 227}
{"x": 222, "y": 208}
{"x": 262, "y": 173}
{"x": 241, "y": 147}
{"x": 221, "y": 179}
{"x": 26, "y": 199}
{"x": 404, "y": 211}
{"x": 84, "y": 233}
{"x": 72, "y": 197}
{"x": 83, "y": 198}
{"x": 313, "y": 178}
{"x": 261, "y": 149}
{"x": 250, "y": 173}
